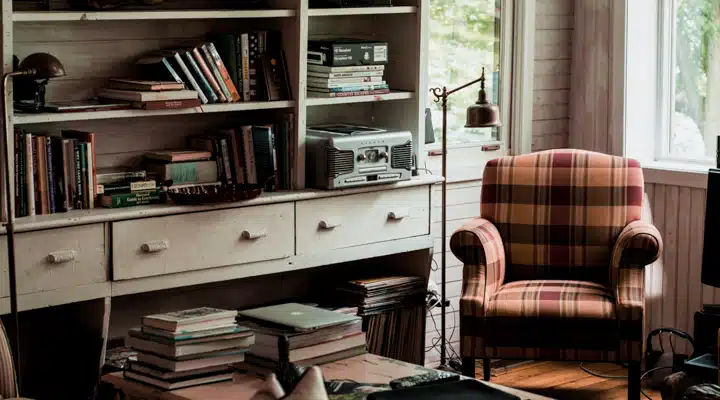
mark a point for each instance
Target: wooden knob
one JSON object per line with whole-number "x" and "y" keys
{"x": 330, "y": 223}
{"x": 399, "y": 214}
{"x": 154, "y": 246}
{"x": 253, "y": 235}
{"x": 59, "y": 257}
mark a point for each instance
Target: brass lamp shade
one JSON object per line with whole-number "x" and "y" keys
{"x": 42, "y": 66}
{"x": 482, "y": 114}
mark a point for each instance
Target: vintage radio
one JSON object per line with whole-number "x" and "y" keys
{"x": 340, "y": 156}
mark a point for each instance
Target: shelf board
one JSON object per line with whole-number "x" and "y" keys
{"x": 393, "y": 95}
{"x": 327, "y": 12}
{"x": 133, "y": 113}
{"x": 49, "y": 16}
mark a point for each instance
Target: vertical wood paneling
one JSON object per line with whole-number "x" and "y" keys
{"x": 671, "y": 242}
{"x": 683, "y": 262}
{"x": 659, "y": 215}
{"x": 697, "y": 231}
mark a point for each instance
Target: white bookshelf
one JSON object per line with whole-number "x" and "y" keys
{"x": 328, "y": 12}
{"x": 56, "y": 16}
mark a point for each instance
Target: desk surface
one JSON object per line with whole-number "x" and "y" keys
{"x": 367, "y": 368}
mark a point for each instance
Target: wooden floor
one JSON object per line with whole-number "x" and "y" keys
{"x": 564, "y": 380}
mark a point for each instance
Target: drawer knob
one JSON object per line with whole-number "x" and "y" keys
{"x": 154, "y": 246}
{"x": 59, "y": 257}
{"x": 253, "y": 235}
{"x": 399, "y": 214}
{"x": 330, "y": 223}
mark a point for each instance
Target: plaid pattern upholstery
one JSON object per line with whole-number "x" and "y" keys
{"x": 569, "y": 285}
{"x": 7, "y": 368}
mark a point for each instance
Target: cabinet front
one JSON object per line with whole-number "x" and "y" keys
{"x": 185, "y": 242}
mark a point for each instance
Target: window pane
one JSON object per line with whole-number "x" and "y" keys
{"x": 464, "y": 38}
{"x": 695, "y": 122}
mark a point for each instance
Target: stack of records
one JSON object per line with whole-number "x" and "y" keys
{"x": 187, "y": 348}
{"x": 377, "y": 295}
{"x": 301, "y": 334}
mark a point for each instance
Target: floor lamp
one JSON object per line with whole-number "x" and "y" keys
{"x": 35, "y": 66}
{"x": 482, "y": 114}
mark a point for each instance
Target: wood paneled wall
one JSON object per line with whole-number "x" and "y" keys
{"x": 553, "y": 51}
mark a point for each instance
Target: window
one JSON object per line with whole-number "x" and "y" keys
{"x": 690, "y": 75}
{"x": 464, "y": 38}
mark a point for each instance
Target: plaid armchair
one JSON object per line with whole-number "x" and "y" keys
{"x": 554, "y": 265}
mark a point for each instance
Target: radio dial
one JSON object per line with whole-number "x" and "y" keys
{"x": 383, "y": 155}
{"x": 361, "y": 157}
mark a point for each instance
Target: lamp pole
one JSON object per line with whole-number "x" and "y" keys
{"x": 482, "y": 114}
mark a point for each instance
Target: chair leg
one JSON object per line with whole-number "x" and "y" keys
{"x": 486, "y": 369}
{"x": 468, "y": 367}
{"x": 633, "y": 380}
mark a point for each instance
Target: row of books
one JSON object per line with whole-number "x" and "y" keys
{"x": 253, "y": 154}
{"x": 232, "y": 67}
{"x": 187, "y": 348}
{"x": 53, "y": 173}
{"x": 361, "y": 80}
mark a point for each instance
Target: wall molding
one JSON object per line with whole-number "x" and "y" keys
{"x": 523, "y": 73}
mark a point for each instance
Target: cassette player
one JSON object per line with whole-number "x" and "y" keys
{"x": 340, "y": 156}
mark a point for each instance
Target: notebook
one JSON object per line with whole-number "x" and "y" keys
{"x": 298, "y": 316}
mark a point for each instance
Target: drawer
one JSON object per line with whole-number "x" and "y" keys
{"x": 56, "y": 258}
{"x": 353, "y": 220}
{"x": 178, "y": 243}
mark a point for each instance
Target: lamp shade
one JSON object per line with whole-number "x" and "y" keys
{"x": 42, "y": 66}
{"x": 482, "y": 114}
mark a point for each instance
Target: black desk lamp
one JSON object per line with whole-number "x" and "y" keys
{"x": 482, "y": 114}
{"x": 35, "y": 66}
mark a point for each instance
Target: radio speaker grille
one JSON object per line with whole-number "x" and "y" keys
{"x": 339, "y": 162}
{"x": 401, "y": 156}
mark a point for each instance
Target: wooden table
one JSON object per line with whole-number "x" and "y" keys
{"x": 366, "y": 368}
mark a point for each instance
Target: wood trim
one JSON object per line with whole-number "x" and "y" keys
{"x": 523, "y": 77}
{"x": 616, "y": 109}
{"x": 665, "y": 176}
{"x": 50, "y": 298}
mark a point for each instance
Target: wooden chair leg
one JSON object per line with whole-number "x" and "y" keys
{"x": 468, "y": 367}
{"x": 486, "y": 369}
{"x": 633, "y": 380}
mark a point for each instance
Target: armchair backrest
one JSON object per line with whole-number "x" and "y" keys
{"x": 559, "y": 212}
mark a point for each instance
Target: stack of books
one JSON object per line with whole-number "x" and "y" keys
{"x": 120, "y": 187}
{"x": 150, "y": 94}
{"x": 181, "y": 167}
{"x": 187, "y": 348}
{"x": 300, "y": 334}
{"x": 346, "y": 67}
{"x": 378, "y": 295}
{"x": 53, "y": 173}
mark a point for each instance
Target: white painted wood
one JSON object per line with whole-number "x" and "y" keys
{"x": 667, "y": 175}
{"x": 523, "y": 62}
{"x": 67, "y": 295}
{"x": 45, "y": 16}
{"x": 117, "y": 114}
{"x": 81, "y": 217}
{"x": 319, "y": 258}
{"x": 393, "y": 95}
{"x": 166, "y": 245}
{"x": 329, "y": 12}
{"x": 35, "y": 273}
{"x": 4, "y": 305}
{"x": 354, "y": 220}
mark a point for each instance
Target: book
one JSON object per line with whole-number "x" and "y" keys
{"x": 223, "y": 357}
{"x": 42, "y": 195}
{"x": 209, "y": 75}
{"x": 90, "y": 182}
{"x": 352, "y": 68}
{"x": 342, "y": 82}
{"x": 115, "y": 175}
{"x": 59, "y": 174}
{"x": 131, "y": 95}
{"x": 349, "y": 94}
{"x": 245, "y": 65}
{"x": 78, "y": 157}
{"x": 172, "y": 321}
{"x": 213, "y": 67}
{"x": 346, "y": 52}
{"x": 185, "y": 334}
{"x": 343, "y": 75}
{"x": 121, "y": 200}
{"x": 126, "y": 187}
{"x": 315, "y": 350}
{"x": 184, "y": 73}
{"x": 180, "y": 349}
{"x": 350, "y": 88}
{"x": 179, "y": 383}
{"x": 238, "y": 333}
{"x": 166, "y": 104}
{"x": 265, "y": 156}
{"x": 150, "y": 370}
{"x": 144, "y": 86}
{"x": 178, "y": 155}
{"x": 29, "y": 175}
{"x": 184, "y": 172}
{"x": 156, "y": 67}
{"x": 267, "y": 334}
{"x": 275, "y": 73}
{"x": 321, "y": 359}
{"x": 88, "y": 137}
{"x": 226, "y": 45}
{"x": 199, "y": 75}
{"x": 19, "y": 172}
{"x": 251, "y": 176}
{"x": 254, "y": 66}
{"x": 222, "y": 70}
{"x": 225, "y": 157}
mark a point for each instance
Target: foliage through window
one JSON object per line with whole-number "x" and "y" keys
{"x": 464, "y": 38}
{"x": 694, "y": 79}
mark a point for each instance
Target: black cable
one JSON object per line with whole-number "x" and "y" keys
{"x": 599, "y": 375}
{"x": 645, "y": 374}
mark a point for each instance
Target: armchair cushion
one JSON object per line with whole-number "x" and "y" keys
{"x": 639, "y": 244}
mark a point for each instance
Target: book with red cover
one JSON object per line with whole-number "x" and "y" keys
{"x": 178, "y": 155}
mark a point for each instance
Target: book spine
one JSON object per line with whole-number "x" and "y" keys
{"x": 245, "y": 47}
{"x": 121, "y": 200}
{"x": 83, "y": 176}
{"x": 231, "y": 174}
{"x": 29, "y": 174}
{"x": 239, "y": 66}
{"x": 223, "y": 72}
{"x": 274, "y": 159}
{"x": 225, "y": 46}
{"x": 351, "y": 94}
{"x": 166, "y": 104}
{"x": 349, "y": 88}
{"x": 187, "y": 172}
{"x": 69, "y": 172}
{"x": 78, "y": 157}
{"x": 115, "y": 177}
{"x": 249, "y": 155}
{"x": 332, "y": 83}
{"x": 345, "y": 75}
{"x": 254, "y": 66}
{"x": 200, "y": 78}
{"x": 352, "y": 68}
{"x": 90, "y": 154}
{"x": 220, "y": 163}
{"x": 17, "y": 177}
{"x": 42, "y": 174}
{"x": 129, "y": 187}
{"x": 236, "y": 152}
{"x": 171, "y": 70}
{"x": 216, "y": 72}
{"x": 37, "y": 176}
{"x": 58, "y": 174}
{"x": 189, "y": 78}
{"x": 207, "y": 72}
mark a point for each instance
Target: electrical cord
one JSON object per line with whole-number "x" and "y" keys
{"x": 599, "y": 375}
{"x": 645, "y": 374}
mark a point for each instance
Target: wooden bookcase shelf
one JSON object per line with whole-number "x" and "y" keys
{"x": 328, "y": 12}
{"x": 117, "y": 114}
{"x": 56, "y": 16}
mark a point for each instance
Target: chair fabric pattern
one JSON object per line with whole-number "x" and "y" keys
{"x": 554, "y": 265}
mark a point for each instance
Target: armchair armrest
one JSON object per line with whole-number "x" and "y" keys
{"x": 479, "y": 246}
{"x": 638, "y": 245}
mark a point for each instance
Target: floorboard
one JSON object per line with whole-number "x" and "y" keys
{"x": 565, "y": 380}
